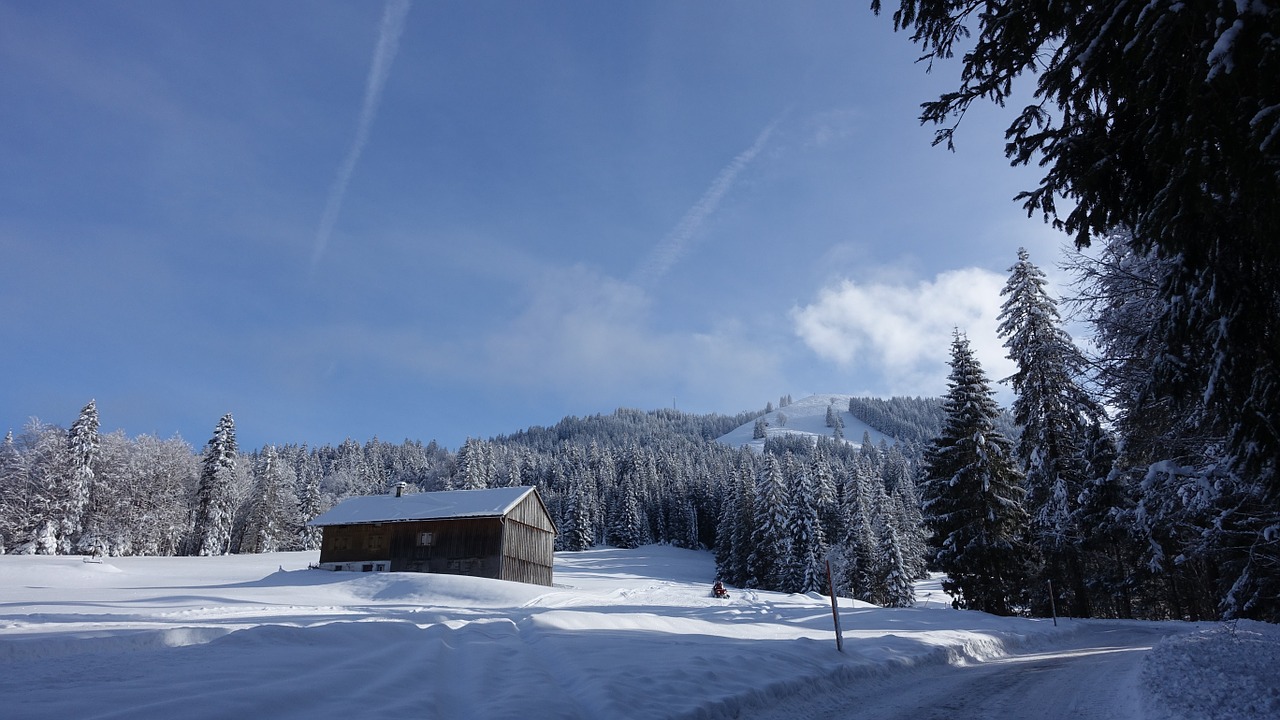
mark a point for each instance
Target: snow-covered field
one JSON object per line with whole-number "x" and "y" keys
{"x": 624, "y": 633}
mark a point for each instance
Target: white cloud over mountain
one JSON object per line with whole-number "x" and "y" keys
{"x": 903, "y": 330}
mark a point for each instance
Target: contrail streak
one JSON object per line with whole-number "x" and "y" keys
{"x": 393, "y": 21}
{"x": 673, "y": 246}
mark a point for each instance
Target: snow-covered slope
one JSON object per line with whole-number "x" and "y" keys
{"x": 807, "y": 416}
{"x": 624, "y": 633}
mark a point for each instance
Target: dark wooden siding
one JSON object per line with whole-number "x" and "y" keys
{"x": 350, "y": 543}
{"x": 518, "y": 547}
{"x": 461, "y": 546}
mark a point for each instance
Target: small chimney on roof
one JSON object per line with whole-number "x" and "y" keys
{"x": 400, "y": 486}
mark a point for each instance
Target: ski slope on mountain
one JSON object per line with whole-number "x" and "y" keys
{"x": 807, "y": 417}
{"x": 622, "y": 634}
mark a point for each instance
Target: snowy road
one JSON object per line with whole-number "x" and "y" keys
{"x": 1093, "y": 674}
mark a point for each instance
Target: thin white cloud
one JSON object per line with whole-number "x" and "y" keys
{"x": 674, "y": 245}
{"x": 830, "y": 126}
{"x": 591, "y": 337}
{"x": 384, "y": 53}
{"x": 902, "y": 332}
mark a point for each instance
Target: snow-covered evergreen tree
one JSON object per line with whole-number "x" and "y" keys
{"x": 858, "y": 561}
{"x": 373, "y": 471}
{"x": 1170, "y": 453}
{"x": 826, "y": 499}
{"x": 868, "y": 449}
{"x": 770, "y": 541}
{"x": 739, "y": 531}
{"x": 683, "y": 523}
{"x": 627, "y": 531}
{"x": 973, "y": 496}
{"x": 215, "y": 499}
{"x": 578, "y": 532}
{"x": 909, "y": 525}
{"x": 894, "y": 587}
{"x": 628, "y": 528}
{"x": 1055, "y": 414}
{"x": 805, "y": 565}
{"x": 474, "y": 471}
{"x": 310, "y": 500}
{"x": 604, "y": 478}
{"x": 760, "y": 429}
{"x": 1112, "y": 551}
{"x": 270, "y": 521}
{"x": 12, "y": 476}
{"x": 84, "y": 442}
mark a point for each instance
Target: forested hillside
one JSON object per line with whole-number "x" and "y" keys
{"x": 627, "y": 478}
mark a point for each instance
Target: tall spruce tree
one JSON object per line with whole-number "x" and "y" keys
{"x": 84, "y": 444}
{"x": 738, "y": 568}
{"x": 1188, "y": 505}
{"x": 577, "y": 530}
{"x": 12, "y": 496}
{"x": 215, "y": 498}
{"x": 894, "y": 581}
{"x": 770, "y": 541}
{"x": 270, "y": 513}
{"x": 759, "y": 431}
{"x": 603, "y": 478}
{"x": 973, "y": 496}
{"x": 310, "y": 500}
{"x": 1056, "y": 415}
{"x": 857, "y": 552}
{"x": 628, "y": 526}
{"x": 805, "y": 569}
{"x": 473, "y": 471}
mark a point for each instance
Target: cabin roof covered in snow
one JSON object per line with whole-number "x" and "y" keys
{"x": 493, "y": 502}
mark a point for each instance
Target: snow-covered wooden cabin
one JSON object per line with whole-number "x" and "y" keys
{"x": 501, "y": 533}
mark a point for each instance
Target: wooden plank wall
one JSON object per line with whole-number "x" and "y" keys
{"x": 528, "y": 544}
{"x": 530, "y": 511}
{"x": 461, "y": 546}
{"x": 350, "y": 543}
{"x": 520, "y": 548}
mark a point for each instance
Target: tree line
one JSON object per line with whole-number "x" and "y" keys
{"x": 1132, "y": 513}
{"x": 625, "y": 479}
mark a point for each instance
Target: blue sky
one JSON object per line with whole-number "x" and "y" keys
{"x": 436, "y": 220}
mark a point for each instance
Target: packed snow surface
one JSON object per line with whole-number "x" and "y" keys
{"x": 622, "y": 634}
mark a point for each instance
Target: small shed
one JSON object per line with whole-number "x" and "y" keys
{"x": 500, "y": 533}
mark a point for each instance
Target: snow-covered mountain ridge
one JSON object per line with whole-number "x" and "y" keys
{"x": 806, "y": 417}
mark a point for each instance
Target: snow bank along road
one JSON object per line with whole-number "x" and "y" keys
{"x": 1093, "y": 673}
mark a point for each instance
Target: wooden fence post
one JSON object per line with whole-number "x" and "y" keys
{"x": 1053, "y": 609}
{"x": 835, "y": 610}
